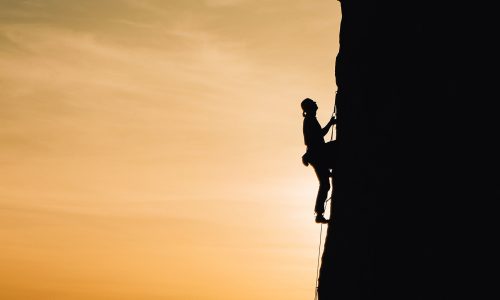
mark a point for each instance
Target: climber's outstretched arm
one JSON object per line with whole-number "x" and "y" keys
{"x": 325, "y": 129}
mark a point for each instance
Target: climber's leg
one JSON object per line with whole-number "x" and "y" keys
{"x": 323, "y": 175}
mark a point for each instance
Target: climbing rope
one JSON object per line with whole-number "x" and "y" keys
{"x": 319, "y": 254}
{"x": 334, "y": 114}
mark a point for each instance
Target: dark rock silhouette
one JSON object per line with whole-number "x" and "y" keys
{"x": 417, "y": 157}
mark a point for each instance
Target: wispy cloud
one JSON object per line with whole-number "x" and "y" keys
{"x": 139, "y": 135}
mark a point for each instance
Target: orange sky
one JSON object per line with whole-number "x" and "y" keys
{"x": 151, "y": 149}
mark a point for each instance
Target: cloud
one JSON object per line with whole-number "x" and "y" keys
{"x": 73, "y": 91}
{"x": 144, "y": 134}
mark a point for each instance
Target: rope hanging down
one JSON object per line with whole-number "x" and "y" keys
{"x": 334, "y": 114}
{"x": 319, "y": 255}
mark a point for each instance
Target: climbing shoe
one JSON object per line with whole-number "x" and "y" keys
{"x": 321, "y": 219}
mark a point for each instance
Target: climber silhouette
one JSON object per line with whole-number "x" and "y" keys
{"x": 317, "y": 154}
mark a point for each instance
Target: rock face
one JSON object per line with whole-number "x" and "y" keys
{"x": 417, "y": 166}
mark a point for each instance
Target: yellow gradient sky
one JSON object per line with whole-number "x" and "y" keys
{"x": 150, "y": 149}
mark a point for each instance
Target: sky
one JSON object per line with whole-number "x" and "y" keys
{"x": 151, "y": 149}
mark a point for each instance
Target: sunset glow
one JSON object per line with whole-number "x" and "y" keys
{"x": 151, "y": 149}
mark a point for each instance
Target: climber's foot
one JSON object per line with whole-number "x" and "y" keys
{"x": 321, "y": 219}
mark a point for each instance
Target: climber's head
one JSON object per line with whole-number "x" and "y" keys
{"x": 309, "y": 107}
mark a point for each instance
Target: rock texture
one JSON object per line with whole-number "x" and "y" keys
{"x": 417, "y": 162}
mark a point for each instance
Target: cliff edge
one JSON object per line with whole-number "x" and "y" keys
{"x": 417, "y": 166}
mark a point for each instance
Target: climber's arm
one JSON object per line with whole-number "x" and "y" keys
{"x": 325, "y": 129}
